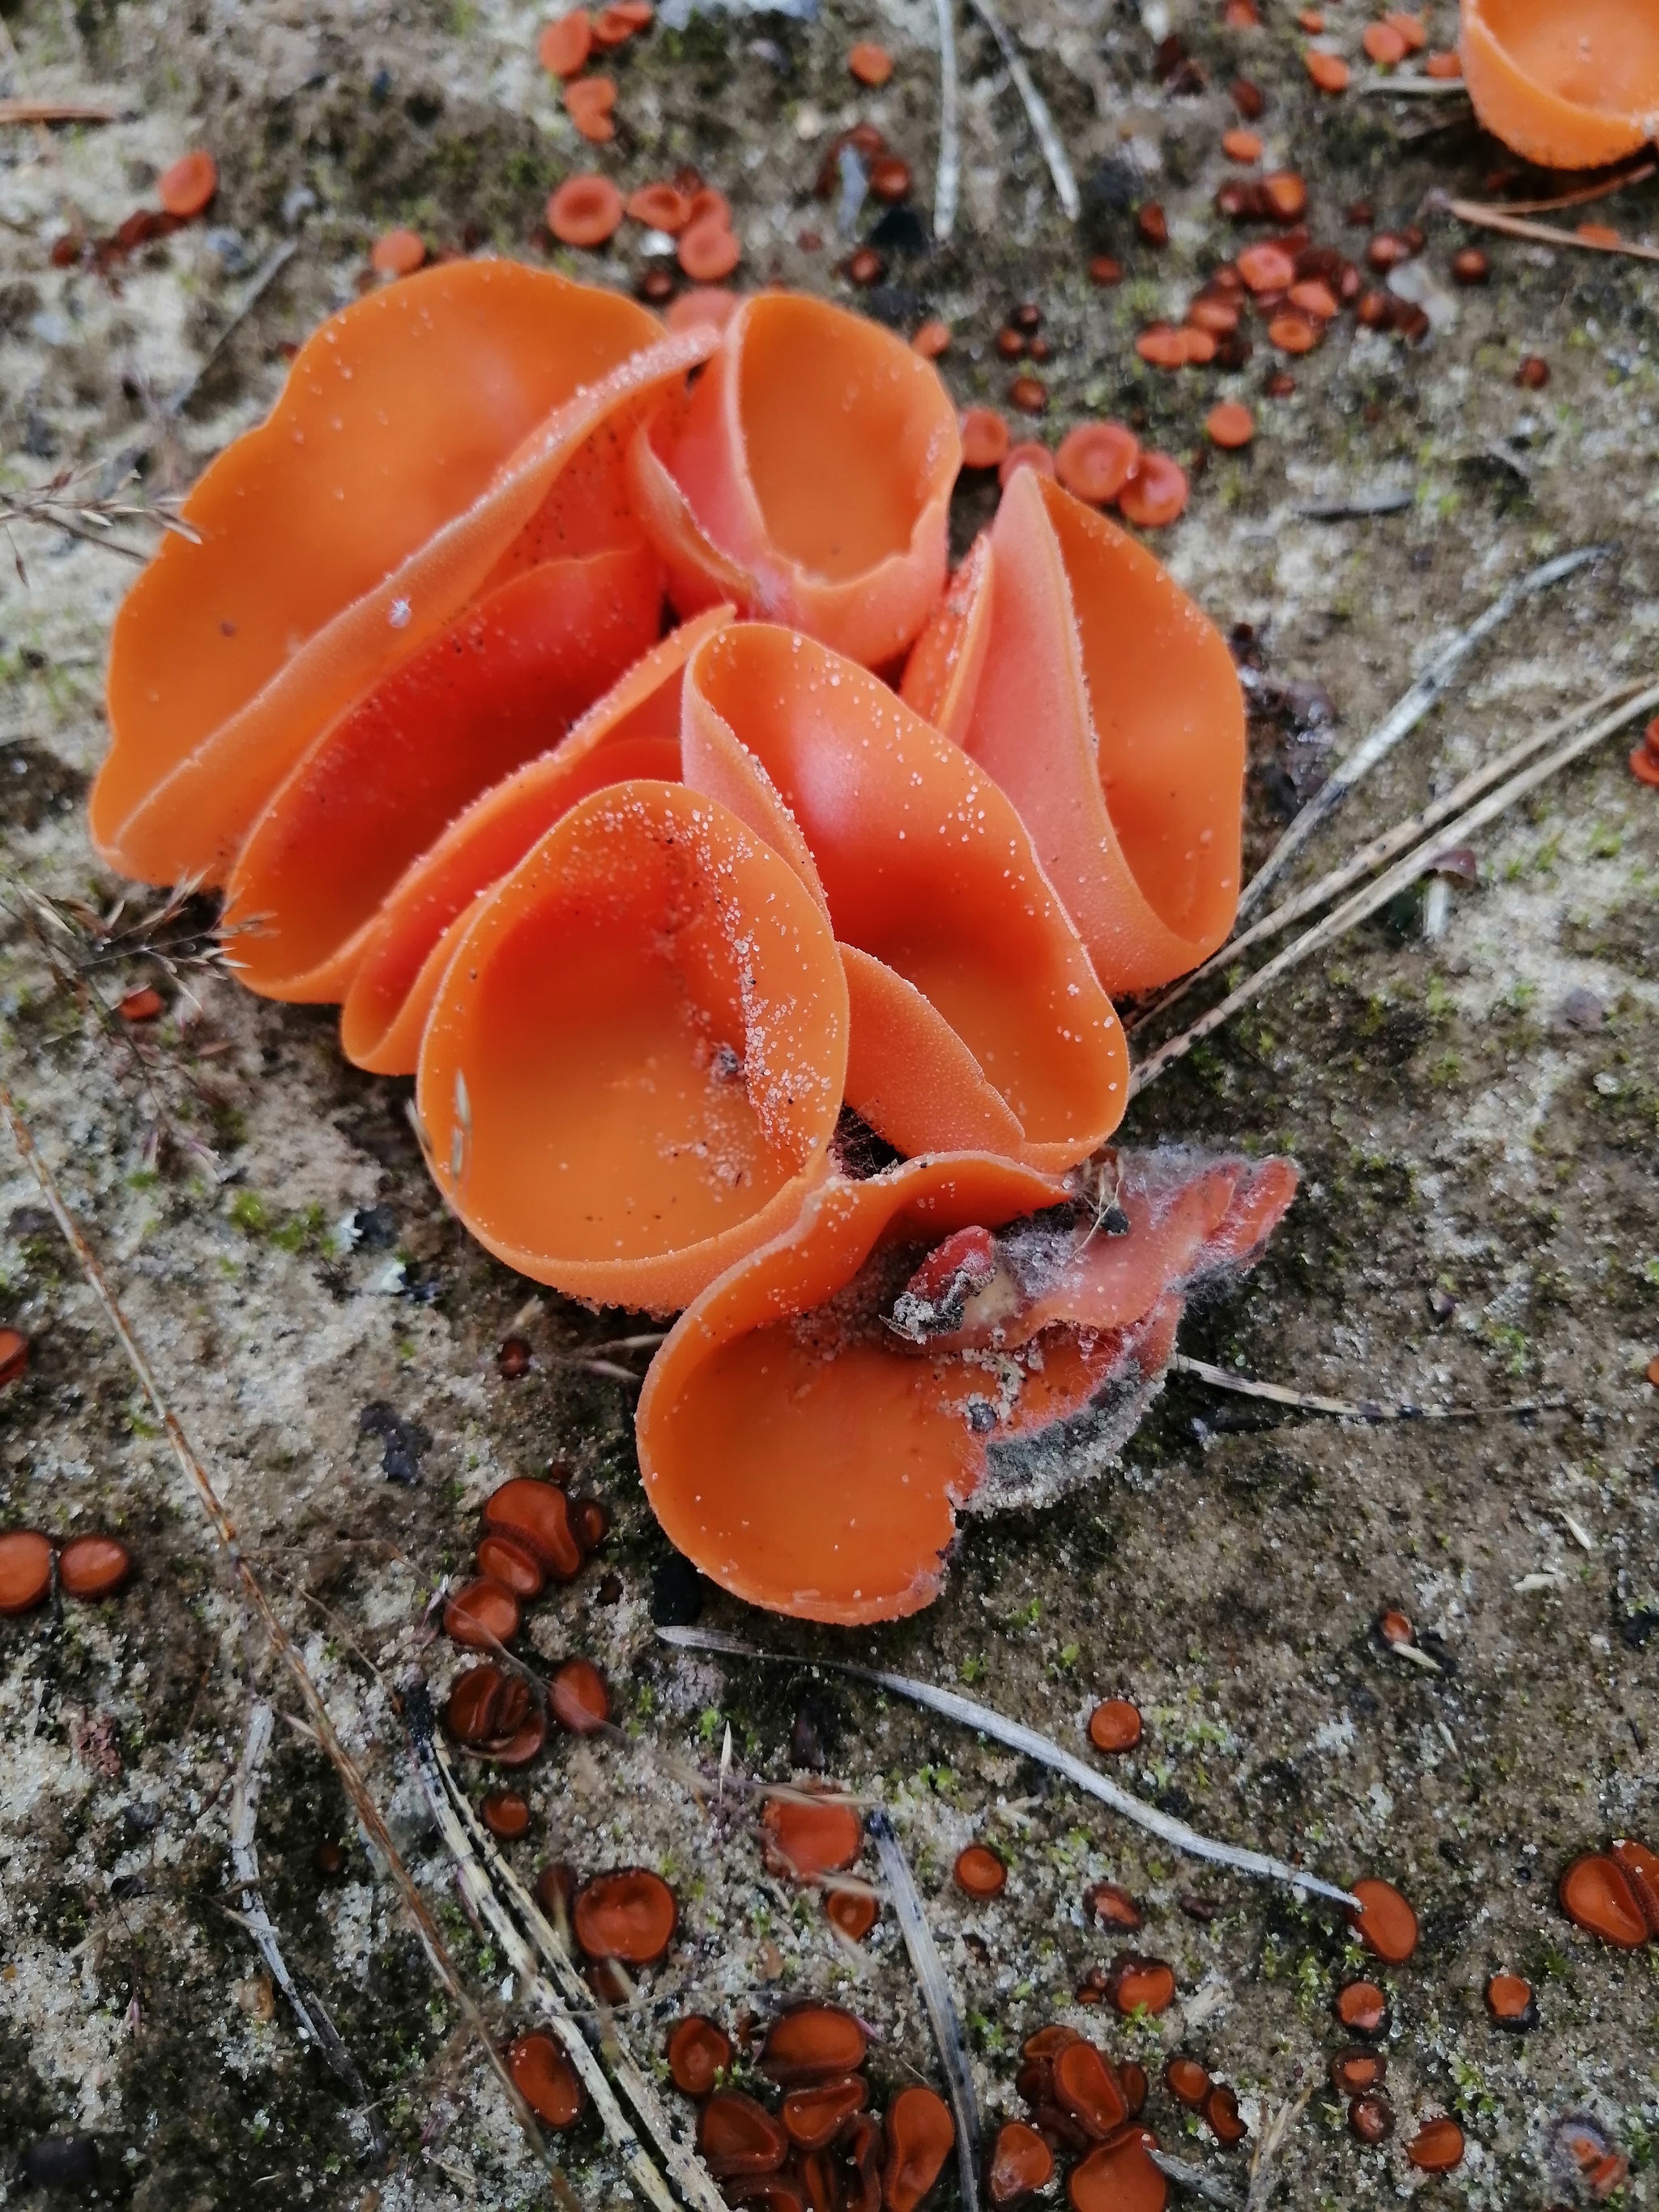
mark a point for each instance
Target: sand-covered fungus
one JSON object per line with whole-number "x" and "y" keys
{"x": 980, "y": 1872}
{"x": 698, "y": 2052}
{"x": 1222, "y": 2116}
{"x": 634, "y": 1060}
{"x": 93, "y": 1567}
{"x": 1569, "y": 84}
{"x": 976, "y": 1016}
{"x": 344, "y": 531}
{"x": 807, "y": 479}
{"x": 1069, "y": 664}
{"x": 546, "y": 2080}
{"x": 25, "y": 1570}
{"x": 565, "y": 43}
{"x": 1363, "y": 2007}
{"x": 1188, "y": 2081}
{"x": 505, "y": 1814}
{"x": 851, "y": 1912}
{"x": 1138, "y": 1984}
{"x": 1021, "y": 2163}
{"x": 814, "y": 2115}
{"x": 806, "y": 1836}
{"x": 1512, "y": 2004}
{"x": 812, "y": 2042}
{"x": 589, "y": 102}
{"x": 507, "y": 1561}
{"x": 629, "y": 1916}
{"x": 903, "y": 1348}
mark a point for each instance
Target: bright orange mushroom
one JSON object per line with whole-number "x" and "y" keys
{"x": 807, "y": 479}
{"x": 186, "y": 187}
{"x": 1094, "y": 461}
{"x": 585, "y": 211}
{"x": 1570, "y": 84}
{"x": 340, "y": 534}
{"x": 1106, "y": 705}
{"x": 976, "y": 1020}
{"x": 588, "y": 101}
{"x": 565, "y": 44}
{"x": 398, "y": 253}
{"x": 635, "y": 1061}
{"x": 708, "y": 249}
{"x": 704, "y": 304}
{"x": 807, "y": 1838}
{"x": 25, "y": 1570}
{"x": 659, "y": 207}
{"x": 853, "y": 1351}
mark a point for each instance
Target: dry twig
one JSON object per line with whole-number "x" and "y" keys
{"x": 1353, "y": 1409}
{"x": 1545, "y": 233}
{"x": 947, "y": 180}
{"x": 1277, "y": 2131}
{"x": 1195, "y": 2180}
{"x": 263, "y": 277}
{"x": 90, "y": 516}
{"x": 16, "y": 112}
{"x": 1599, "y": 191}
{"x": 1036, "y": 109}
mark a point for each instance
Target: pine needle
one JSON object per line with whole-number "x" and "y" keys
{"x": 936, "y": 1995}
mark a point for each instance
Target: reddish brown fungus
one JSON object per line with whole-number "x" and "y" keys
{"x": 1362, "y": 2007}
{"x": 738, "y": 2137}
{"x": 1534, "y": 374}
{"x": 1103, "y": 270}
{"x": 512, "y": 1360}
{"x": 698, "y": 2053}
{"x": 511, "y": 1564}
{"x": 1086, "y": 2088}
{"x": 93, "y": 1567}
{"x": 580, "y": 1697}
{"x": 1395, "y": 1629}
{"x": 1371, "y": 2117}
{"x": 1187, "y": 2081}
{"x": 1511, "y": 2004}
{"x": 1222, "y": 2116}
{"x": 1115, "y": 1725}
{"x": 505, "y": 1814}
{"x": 25, "y": 1570}
{"x": 812, "y": 2042}
{"x": 1141, "y": 1984}
{"x": 852, "y": 1912}
{"x": 814, "y": 2116}
{"x": 1248, "y": 98}
{"x": 1029, "y": 394}
{"x": 565, "y": 44}
{"x": 1229, "y": 425}
{"x": 629, "y": 1914}
{"x": 1353, "y": 2071}
{"x": 804, "y": 1837}
{"x": 14, "y": 1355}
{"x": 708, "y": 250}
{"x": 482, "y": 1614}
{"x": 979, "y": 1872}
{"x": 1011, "y": 344}
{"x": 546, "y": 2080}
{"x": 1470, "y": 266}
{"x": 866, "y": 266}
{"x": 1113, "y": 1906}
{"x": 932, "y": 340}
{"x": 555, "y": 1892}
{"x": 1152, "y": 223}
{"x": 1640, "y": 1867}
{"x": 1132, "y": 2076}
{"x": 1020, "y": 2164}
{"x": 185, "y": 187}
{"x": 889, "y": 178}
{"x": 985, "y": 437}
{"x": 1384, "y": 1922}
{"x": 142, "y": 1005}
{"x": 585, "y": 211}
{"x": 398, "y": 253}
{"x": 870, "y": 64}
{"x": 919, "y": 2133}
{"x": 1241, "y": 146}
{"x": 537, "y": 1515}
{"x": 1596, "y": 1894}
{"x": 494, "y": 1715}
{"x": 1436, "y": 2147}
{"x": 1119, "y": 2177}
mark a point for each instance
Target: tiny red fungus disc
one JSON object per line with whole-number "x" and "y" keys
{"x": 1385, "y": 1923}
{"x": 919, "y": 2133}
{"x": 1229, "y": 425}
{"x": 1436, "y": 2147}
{"x": 806, "y": 1837}
{"x": 14, "y": 1355}
{"x": 1119, "y": 2177}
{"x": 93, "y": 1567}
{"x": 814, "y": 2116}
{"x": 708, "y": 250}
{"x": 580, "y": 1697}
{"x": 546, "y": 2080}
{"x": 1155, "y": 493}
{"x": 985, "y": 437}
{"x": 1511, "y": 2003}
{"x": 1094, "y": 461}
{"x": 1241, "y": 146}
{"x": 482, "y": 1614}
{"x": 185, "y": 188}
{"x": 698, "y": 2053}
{"x": 1029, "y": 394}
{"x": 537, "y": 1515}
{"x": 505, "y": 1814}
{"x": 1222, "y": 2115}
{"x": 1021, "y": 2163}
{"x": 630, "y": 1915}
{"x": 979, "y": 1872}
{"x": 511, "y": 1564}
{"x": 1363, "y": 2007}
{"x": 493, "y": 1714}
{"x": 659, "y": 207}
{"x": 1187, "y": 2081}
{"x": 1141, "y": 1985}
{"x": 1267, "y": 268}
{"x": 25, "y": 1570}
{"x": 812, "y": 2042}
{"x": 1371, "y": 2117}
{"x": 1354, "y": 2071}
{"x": 1028, "y": 453}
{"x": 1596, "y": 1894}
{"x": 852, "y": 1912}
{"x": 1640, "y": 1867}
{"x": 1329, "y": 72}
{"x": 588, "y": 101}
{"x": 1086, "y": 2088}
{"x": 870, "y": 64}
{"x": 555, "y": 1892}
{"x": 932, "y": 340}
{"x": 1115, "y": 1725}
{"x": 1113, "y": 1906}
{"x": 398, "y": 253}
{"x": 1043, "y": 2046}
{"x": 565, "y": 44}
{"x": 142, "y": 1005}
{"x": 586, "y": 210}
{"x": 1444, "y": 65}
{"x": 1383, "y": 44}
{"x": 737, "y": 2136}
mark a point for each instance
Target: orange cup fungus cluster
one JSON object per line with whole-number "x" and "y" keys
{"x": 651, "y": 912}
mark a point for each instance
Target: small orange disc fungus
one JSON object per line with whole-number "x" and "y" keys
{"x": 616, "y": 25}
{"x": 1113, "y": 1906}
{"x": 546, "y": 2080}
{"x": 494, "y": 1715}
{"x": 398, "y": 253}
{"x": 919, "y": 2136}
{"x": 808, "y": 1837}
{"x": 1437, "y": 2148}
{"x": 870, "y": 64}
{"x": 579, "y": 1698}
{"x": 630, "y": 1915}
{"x": 811, "y": 2043}
{"x": 1187, "y": 2081}
{"x": 1107, "y": 707}
{"x": 1222, "y": 2116}
{"x": 1021, "y": 2163}
{"x": 1385, "y": 1923}
{"x": 1137, "y": 1985}
{"x": 698, "y": 2053}
{"x": 1444, "y": 66}
{"x": 838, "y": 529}
{"x": 738, "y": 2137}
{"x": 1569, "y": 84}
{"x": 143, "y": 1005}
{"x": 513, "y": 1564}
{"x": 1355, "y": 2071}
{"x": 852, "y": 1912}
{"x": 1241, "y": 146}
{"x": 1329, "y": 72}
{"x": 1597, "y": 1895}
{"x": 1155, "y": 493}
{"x": 705, "y": 306}
{"x": 1511, "y": 2004}
{"x": 93, "y": 1567}
{"x": 636, "y": 1058}
{"x": 25, "y": 1570}
{"x": 535, "y": 1515}
{"x": 505, "y": 1814}
{"x": 1640, "y": 1867}
{"x": 1115, "y": 1725}
{"x": 588, "y": 101}
{"x": 1267, "y": 268}
{"x": 933, "y": 339}
{"x": 976, "y": 1020}
{"x": 1094, "y": 461}
{"x": 1363, "y": 2007}
{"x": 979, "y": 1872}
{"x": 985, "y": 437}
{"x": 1028, "y": 453}
{"x": 1229, "y": 425}
{"x": 1119, "y": 2177}
{"x": 482, "y": 1614}
{"x": 586, "y": 210}
{"x": 565, "y": 44}
{"x": 14, "y": 1355}
{"x": 659, "y": 207}
{"x": 185, "y": 188}
{"x": 1411, "y": 29}
{"x": 708, "y": 249}
{"x": 1087, "y": 2089}
{"x": 1383, "y": 44}
{"x": 814, "y": 2116}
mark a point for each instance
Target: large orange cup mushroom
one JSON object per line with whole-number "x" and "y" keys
{"x": 1069, "y": 664}
{"x": 953, "y": 1333}
{"x": 633, "y": 732}
{"x": 634, "y": 1063}
{"x": 1570, "y": 84}
{"x": 807, "y": 479}
{"x": 419, "y": 431}
{"x": 976, "y": 1020}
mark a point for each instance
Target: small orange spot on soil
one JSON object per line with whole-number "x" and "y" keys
{"x": 1640, "y": 1867}
{"x": 482, "y": 1614}
{"x": 14, "y": 1355}
{"x": 933, "y": 339}
{"x": 615, "y": 26}
{"x": 505, "y": 1814}
{"x": 1311, "y": 22}
{"x": 706, "y": 304}
{"x": 1187, "y": 2081}
{"x": 1385, "y": 1923}
{"x": 708, "y": 204}
{"x": 1115, "y": 1725}
{"x": 870, "y": 64}
{"x": 1029, "y": 394}
{"x": 629, "y": 1914}
{"x": 985, "y": 437}
{"x": 512, "y": 1564}
{"x": 1152, "y": 223}
{"x": 1119, "y": 2177}
{"x": 1329, "y": 72}
{"x": 866, "y": 266}
{"x": 1286, "y": 194}
{"x": 1644, "y": 767}
{"x": 1218, "y": 316}
{"x": 493, "y": 1714}
{"x": 1597, "y": 1895}
{"x": 1356, "y": 2070}
{"x": 1371, "y": 2117}
{"x": 1112, "y": 1906}
{"x": 889, "y": 178}
{"x": 1395, "y": 1628}
{"x": 708, "y": 249}
{"x": 398, "y": 253}
{"x": 1021, "y": 2164}
{"x": 1267, "y": 268}
{"x": 185, "y": 188}
{"x": 1384, "y": 44}
{"x": 1534, "y": 373}
{"x": 141, "y": 1006}
{"x": 1314, "y": 298}
{"x": 589, "y": 1522}
{"x": 1241, "y": 146}
{"x": 1222, "y": 2116}
{"x": 698, "y": 2052}
{"x": 512, "y": 1360}
{"x": 588, "y": 101}
{"x": 919, "y": 2133}
{"x": 1598, "y": 234}
{"x": 1512, "y": 2004}
{"x": 1411, "y": 28}
{"x": 1085, "y": 2085}
{"x": 1362, "y": 2007}
{"x": 1279, "y": 385}
{"x": 536, "y": 1515}
{"x": 586, "y": 210}
{"x": 1103, "y": 270}
{"x": 1444, "y": 66}
{"x": 93, "y": 1567}
{"x": 1011, "y": 344}
{"x": 1155, "y": 493}
{"x": 979, "y": 1872}
{"x": 813, "y": 2117}
{"x": 1094, "y": 461}
{"x": 580, "y": 1697}
{"x": 812, "y": 2042}
{"x": 1140, "y": 1984}
{"x": 738, "y": 2137}
{"x": 25, "y": 1570}
{"x": 852, "y": 1912}
{"x": 1436, "y": 2147}
{"x": 565, "y": 44}
{"x": 806, "y": 1837}
{"x": 546, "y": 2080}
{"x": 1293, "y": 333}
{"x": 659, "y": 207}
{"x": 1163, "y": 346}
{"x": 1229, "y": 425}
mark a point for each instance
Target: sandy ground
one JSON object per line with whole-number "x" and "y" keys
{"x": 1476, "y": 1114}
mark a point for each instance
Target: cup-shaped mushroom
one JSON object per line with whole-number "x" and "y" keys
{"x": 976, "y": 1019}
{"x": 633, "y": 732}
{"x": 807, "y": 477}
{"x": 419, "y": 431}
{"x": 1570, "y": 84}
{"x": 907, "y": 1334}
{"x": 1078, "y": 675}
{"x": 634, "y": 1064}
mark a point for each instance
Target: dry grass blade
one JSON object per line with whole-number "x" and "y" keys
{"x": 941, "y": 2005}
{"x": 1036, "y": 110}
{"x": 1411, "y": 88}
{"x": 1019, "y": 1737}
{"x": 1545, "y": 233}
{"x": 1404, "y": 715}
{"x": 1599, "y": 191}
{"x": 1353, "y": 1409}
{"x": 1195, "y": 2180}
{"x": 262, "y": 278}
{"x": 1277, "y": 2131}
{"x": 947, "y": 182}
{"x": 1383, "y": 848}
{"x": 1367, "y": 901}
{"x": 19, "y": 112}
{"x": 253, "y": 1590}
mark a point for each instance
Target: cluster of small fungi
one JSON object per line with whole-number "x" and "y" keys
{"x": 31, "y": 1565}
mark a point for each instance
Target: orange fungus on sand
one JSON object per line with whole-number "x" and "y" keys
{"x": 1385, "y": 1923}
{"x": 185, "y": 188}
{"x": 585, "y": 210}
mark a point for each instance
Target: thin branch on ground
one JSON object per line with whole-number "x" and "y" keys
{"x": 312, "y": 2014}
{"x": 1354, "y": 1409}
{"x": 1599, "y": 191}
{"x": 1036, "y": 109}
{"x": 1196, "y": 2181}
{"x": 80, "y": 513}
{"x": 1365, "y": 903}
{"x": 263, "y": 277}
{"x": 938, "y": 2000}
{"x": 948, "y": 179}
{"x": 1360, "y": 507}
{"x": 20, "y": 112}
{"x": 253, "y": 1592}
{"x": 1019, "y": 1737}
{"x": 1545, "y": 233}
{"x": 1412, "y": 87}
{"x": 1404, "y": 715}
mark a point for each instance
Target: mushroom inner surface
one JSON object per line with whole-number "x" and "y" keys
{"x": 1596, "y": 53}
